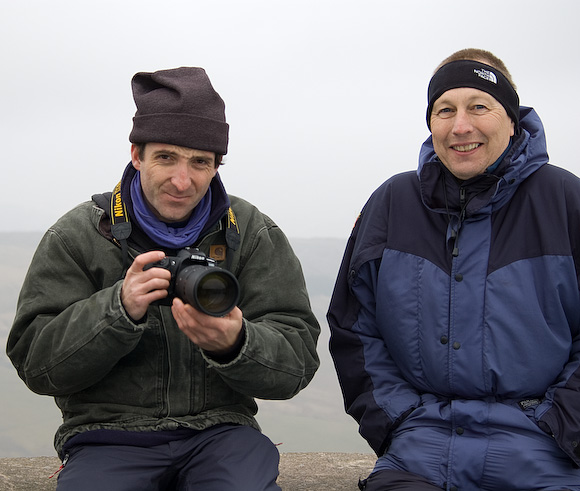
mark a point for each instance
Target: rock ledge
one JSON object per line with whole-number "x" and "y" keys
{"x": 326, "y": 471}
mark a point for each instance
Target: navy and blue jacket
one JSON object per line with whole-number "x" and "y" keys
{"x": 455, "y": 322}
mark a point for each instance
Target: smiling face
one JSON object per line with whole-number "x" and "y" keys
{"x": 470, "y": 131}
{"x": 173, "y": 179}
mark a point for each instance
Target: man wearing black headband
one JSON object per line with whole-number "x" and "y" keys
{"x": 455, "y": 317}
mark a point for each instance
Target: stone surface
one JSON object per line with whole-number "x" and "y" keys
{"x": 326, "y": 471}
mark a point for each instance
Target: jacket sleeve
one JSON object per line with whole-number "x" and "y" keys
{"x": 69, "y": 330}
{"x": 375, "y": 393}
{"x": 559, "y": 414}
{"x": 278, "y": 357}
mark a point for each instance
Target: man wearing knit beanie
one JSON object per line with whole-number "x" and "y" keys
{"x": 156, "y": 314}
{"x": 455, "y": 319}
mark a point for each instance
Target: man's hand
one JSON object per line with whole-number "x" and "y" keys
{"x": 215, "y": 334}
{"x": 141, "y": 288}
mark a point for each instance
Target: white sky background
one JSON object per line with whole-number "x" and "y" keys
{"x": 325, "y": 98}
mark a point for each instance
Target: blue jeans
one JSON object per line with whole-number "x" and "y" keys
{"x": 221, "y": 458}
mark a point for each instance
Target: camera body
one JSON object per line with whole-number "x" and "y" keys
{"x": 197, "y": 281}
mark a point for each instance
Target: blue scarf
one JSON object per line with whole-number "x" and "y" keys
{"x": 163, "y": 233}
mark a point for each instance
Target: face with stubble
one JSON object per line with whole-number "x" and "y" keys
{"x": 173, "y": 179}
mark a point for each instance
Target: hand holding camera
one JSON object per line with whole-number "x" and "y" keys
{"x": 203, "y": 299}
{"x": 190, "y": 276}
{"x": 141, "y": 288}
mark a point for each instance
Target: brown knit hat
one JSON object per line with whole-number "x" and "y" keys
{"x": 180, "y": 107}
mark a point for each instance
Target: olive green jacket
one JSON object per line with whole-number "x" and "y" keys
{"x": 72, "y": 339}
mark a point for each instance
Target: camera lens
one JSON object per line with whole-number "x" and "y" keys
{"x": 211, "y": 290}
{"x": 216, "y": 292}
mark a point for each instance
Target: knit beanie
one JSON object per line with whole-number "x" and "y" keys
{"x": 179, "y": 107}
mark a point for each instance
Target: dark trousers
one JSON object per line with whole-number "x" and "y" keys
{"x": 390, "y": 480}
{"x": 220, "y": 458}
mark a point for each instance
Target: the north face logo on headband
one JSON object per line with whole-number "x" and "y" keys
{"x": 486, "y": 75}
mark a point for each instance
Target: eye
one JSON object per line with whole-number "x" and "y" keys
{"x": 202, "y": 162}
{"x": 445, "y": 112}
{"x": 479, "y": 108}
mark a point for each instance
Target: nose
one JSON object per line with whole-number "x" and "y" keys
{"x": 462, "y": 123}
{"x": 180, "y": 178}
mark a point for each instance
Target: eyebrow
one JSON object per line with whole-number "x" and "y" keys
{"x": 173, "y": 153}
{"x": 471, "y": 98}
{"x": 164, "y": 151}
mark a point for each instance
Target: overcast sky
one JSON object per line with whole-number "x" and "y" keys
{"x": 325, "y": 98}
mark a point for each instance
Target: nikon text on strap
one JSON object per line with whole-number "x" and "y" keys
{"x": 120, "y": 225}
{"x": 232, "y": 235}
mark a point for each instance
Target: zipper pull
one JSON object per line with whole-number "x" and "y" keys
{"x": 454, "y": 238}
{"x": 64, "y": 461}
{"x": 462, "y": 204}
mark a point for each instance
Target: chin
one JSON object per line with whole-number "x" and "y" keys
{"x": 172, "y": 220}
{"x": 464, "y": 173}
{"x": 172, "y": 217}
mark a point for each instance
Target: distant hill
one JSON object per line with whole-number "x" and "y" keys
{"x": 314, "y": 421}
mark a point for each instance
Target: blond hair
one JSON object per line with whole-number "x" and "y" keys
{"x": 482, "y": 56}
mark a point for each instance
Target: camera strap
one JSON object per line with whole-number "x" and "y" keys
{"x": 220, "y": 252}
{"x": 232, "y": 234}
{"x": 120, "y": 225}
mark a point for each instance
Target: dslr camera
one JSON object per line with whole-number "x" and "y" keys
{"x": 196, "y": 280}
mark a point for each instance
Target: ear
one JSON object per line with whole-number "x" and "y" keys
{"x": 135, "y": 157}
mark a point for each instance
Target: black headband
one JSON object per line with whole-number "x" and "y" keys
{"x": 468, "y": 73}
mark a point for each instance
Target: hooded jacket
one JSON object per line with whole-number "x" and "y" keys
{"x": 455, "y": 322}
{"x": 72, "y": 339}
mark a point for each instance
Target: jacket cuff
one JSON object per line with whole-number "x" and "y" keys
{"x": 232, "y": 354}
{"x": 569, "y": 443}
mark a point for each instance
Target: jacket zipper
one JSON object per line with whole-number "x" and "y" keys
{"x": 169, "y": 366}
{"x": 462, "y": 205}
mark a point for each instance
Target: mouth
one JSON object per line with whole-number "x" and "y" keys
{"x": 174, "y": 197}
{"x": 465, "y": 148}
